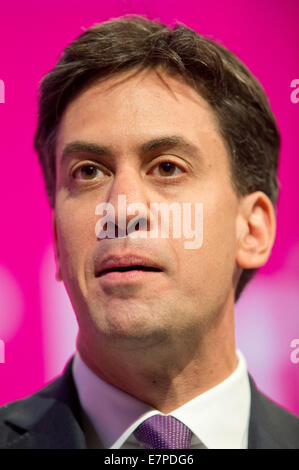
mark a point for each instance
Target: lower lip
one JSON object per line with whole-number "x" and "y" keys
{"x": 129, "y": 276}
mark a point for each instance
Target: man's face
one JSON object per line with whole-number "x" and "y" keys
{"x": 194, "y": 286}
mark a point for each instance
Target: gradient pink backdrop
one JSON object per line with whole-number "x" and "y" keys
{"x": 36, "y": 320}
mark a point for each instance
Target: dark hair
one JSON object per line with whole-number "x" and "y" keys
{"x": 245, "y": 119}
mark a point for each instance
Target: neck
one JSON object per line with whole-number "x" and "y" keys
{"x": 168, "y": 374}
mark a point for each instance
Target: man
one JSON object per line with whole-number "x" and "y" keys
{"x": 139, "y": 114}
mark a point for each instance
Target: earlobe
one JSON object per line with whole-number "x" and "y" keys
{"x": 58, "y": 274}
{"x": 256, "y": 227}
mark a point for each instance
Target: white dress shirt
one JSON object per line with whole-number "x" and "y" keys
{"x": 218, "y": 418}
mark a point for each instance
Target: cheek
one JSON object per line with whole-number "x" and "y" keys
{"x": 219, "y": 245}
{"x": 76, "y": 234}
{"x": 211, "y": 265}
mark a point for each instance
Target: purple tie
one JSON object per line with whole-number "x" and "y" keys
{"x": 163, "y": 432}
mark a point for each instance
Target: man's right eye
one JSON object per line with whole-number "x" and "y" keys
{"x": 87, "y": 172}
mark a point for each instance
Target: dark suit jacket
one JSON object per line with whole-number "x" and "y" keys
{"x": 52, "y": 419}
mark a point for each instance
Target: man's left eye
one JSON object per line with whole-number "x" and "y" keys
{"x": 168, "y": 169}
{"x": 87, "y": 172}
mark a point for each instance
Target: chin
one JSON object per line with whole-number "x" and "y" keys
{"x": 126, "y": 326}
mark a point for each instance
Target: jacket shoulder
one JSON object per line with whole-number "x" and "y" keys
{"x": 15, "y": 417}
{"x": 271, "y": 426}
{"x": 49, "y": 418}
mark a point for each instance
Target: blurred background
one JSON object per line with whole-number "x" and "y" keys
{"x": 37, "y": 323}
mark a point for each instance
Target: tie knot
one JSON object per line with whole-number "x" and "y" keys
{"x": 163, "y": 432}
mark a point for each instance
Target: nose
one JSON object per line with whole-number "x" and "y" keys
{"x": 130, "y": 199}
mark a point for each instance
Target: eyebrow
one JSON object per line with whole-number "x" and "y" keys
{"x": 157, "y": 144}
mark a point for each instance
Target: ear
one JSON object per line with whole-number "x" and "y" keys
{"x": 56, "y": 248}
{"x": 256, "y": 229}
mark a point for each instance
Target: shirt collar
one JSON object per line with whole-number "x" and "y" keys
{"x": 218, "y": 417}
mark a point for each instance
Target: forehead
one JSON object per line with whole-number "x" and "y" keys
{"x": 136, "y": 105}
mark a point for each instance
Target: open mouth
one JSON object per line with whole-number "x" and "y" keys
{"x": 129, "y": 268}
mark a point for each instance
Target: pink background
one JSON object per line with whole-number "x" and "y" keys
{"x": 37, "y": 324}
